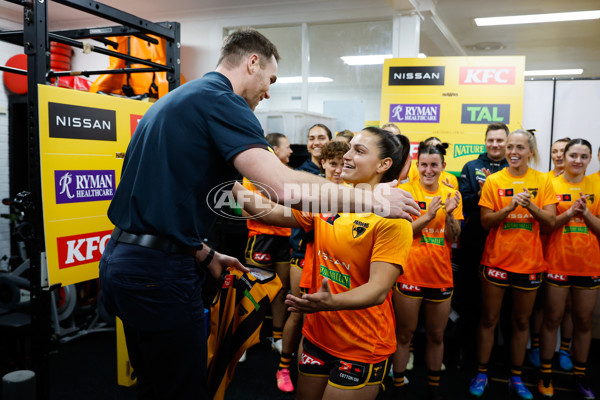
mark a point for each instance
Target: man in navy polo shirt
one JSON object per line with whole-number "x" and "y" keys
{"x": 190, "y": 141}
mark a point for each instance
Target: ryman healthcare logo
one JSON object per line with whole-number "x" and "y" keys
{"x": 80, "y": 186}
{"x": 78, "y": 122}
{"x": 400, "y": 76}
{"x": 418, "y": 113}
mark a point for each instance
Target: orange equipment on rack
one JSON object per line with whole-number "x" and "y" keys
{"x": 152, "y": 83}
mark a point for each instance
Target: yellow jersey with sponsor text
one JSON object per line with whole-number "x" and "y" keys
{"x": 573, "y": 249}
{"x": 429, "y": 262}
{"x": 345, "y": 245}
{"x": 515, "y": 245}
{"x": 256, "y": 227}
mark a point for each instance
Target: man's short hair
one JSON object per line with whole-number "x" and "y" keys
{"x": 497, "y": 126}
{"x": 244, "y": 42}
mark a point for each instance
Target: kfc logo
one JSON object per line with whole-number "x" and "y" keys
{"x": 261, "y": 257}
{"x": 81, "y": 249}
{"x": 307, "y": 359}
{"x": 228, "y": 281}
{"x": 134, "y": 120}
{"x": 494, "y": 273}
{"x": 557, "y": 277}
{"x": 487, "y": 76}
{"x": 410, "y": 288}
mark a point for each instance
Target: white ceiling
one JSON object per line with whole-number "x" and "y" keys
{"x": 546, "y": 46}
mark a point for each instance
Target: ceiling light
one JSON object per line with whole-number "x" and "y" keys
{"x": 298, "y": 79}
{"x": 537, "y": 18}
{"x": 371, "y": 60}
{"x": 554, "y": 72}
{"x": 365, "y": 60}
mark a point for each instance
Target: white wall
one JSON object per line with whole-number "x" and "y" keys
{"x": 6, "y": 52}
{"x": 575, "y": 107}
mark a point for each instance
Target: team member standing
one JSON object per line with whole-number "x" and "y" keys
{"x": 318, "y": 136}
{"x": 446, "y": 178}
{"x": 427, "y": 281}
{"x": 467, "y": 295}
{"x": 345, "y": 350}
{"x": 572, "y": 265}
{"x": 514, "y": 203}
{"x": 190, "y": 141}
{"x": 557, "y": 154}
{"x": 332, "y": 163}
{"x": 269, "y": 246}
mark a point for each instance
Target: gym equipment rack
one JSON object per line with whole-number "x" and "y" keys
{"x": 35, "y": 40}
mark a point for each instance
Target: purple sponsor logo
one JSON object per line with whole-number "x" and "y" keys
{"x": 418, "y": 113}
{"x": 81, "y": 186}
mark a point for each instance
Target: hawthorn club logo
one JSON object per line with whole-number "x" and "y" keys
{"x": 359, "y": 228}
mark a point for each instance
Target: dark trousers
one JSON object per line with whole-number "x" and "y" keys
{"x": 158, "y": 298}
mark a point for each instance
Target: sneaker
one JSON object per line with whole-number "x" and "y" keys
{"x": 516, "y": 386}
{"x": 411, "y": 361}
{"x": 546, "y": 391}
{"x": 534, "y": 357}
{"x": 276, "y": 345}
{"x": 564, "y": 360}
{"x": 584, "y": 389}
{"x": 284, "y": 382}
{"x": 243, "y": 357}
{"x": 479, "y": 385}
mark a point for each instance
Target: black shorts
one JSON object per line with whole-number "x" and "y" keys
{"x": 584, "y": 282}
{"x": 501, "y": 277}
{"x": 425, "y": 293}
{"x": 266, "y": 250}
{"x": 342, "y": 373}
{"x": 297, "y": 262}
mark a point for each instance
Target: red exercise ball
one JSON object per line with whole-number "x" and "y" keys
{"x": 16, "y": 83}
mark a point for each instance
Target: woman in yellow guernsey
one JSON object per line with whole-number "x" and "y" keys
{"x": 446, "y": 178}
{"x": 345, "y": 350}
{"x": 572, "y": 265}
{"x": 427, "y": 280}
{"x": 514, "y": 203}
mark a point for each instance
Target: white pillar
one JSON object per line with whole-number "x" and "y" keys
{"x": 406, "y": 35}
{"x": 305, "y": 58}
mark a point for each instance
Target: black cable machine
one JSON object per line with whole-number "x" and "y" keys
{"x": 35, "y": 40}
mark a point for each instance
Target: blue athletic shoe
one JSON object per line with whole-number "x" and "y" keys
{"x": 479, "y": 385}
{"x": 564, "y": 360}
{"x": 516, "y": 386}
{"x": 533, "y": 356}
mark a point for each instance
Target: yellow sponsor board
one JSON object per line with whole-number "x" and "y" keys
{"x": 83, "y": 137}
{"x": 453, "y": 98}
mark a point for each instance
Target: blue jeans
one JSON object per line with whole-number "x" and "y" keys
{"x": 158, "y": 298}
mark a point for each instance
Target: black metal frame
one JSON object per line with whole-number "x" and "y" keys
{"x": 35, "y": 39}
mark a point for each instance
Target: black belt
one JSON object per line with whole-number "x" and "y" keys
{"x": 163, "y": 244}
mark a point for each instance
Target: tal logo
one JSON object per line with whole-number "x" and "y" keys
{"x": 485, "y": 113}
